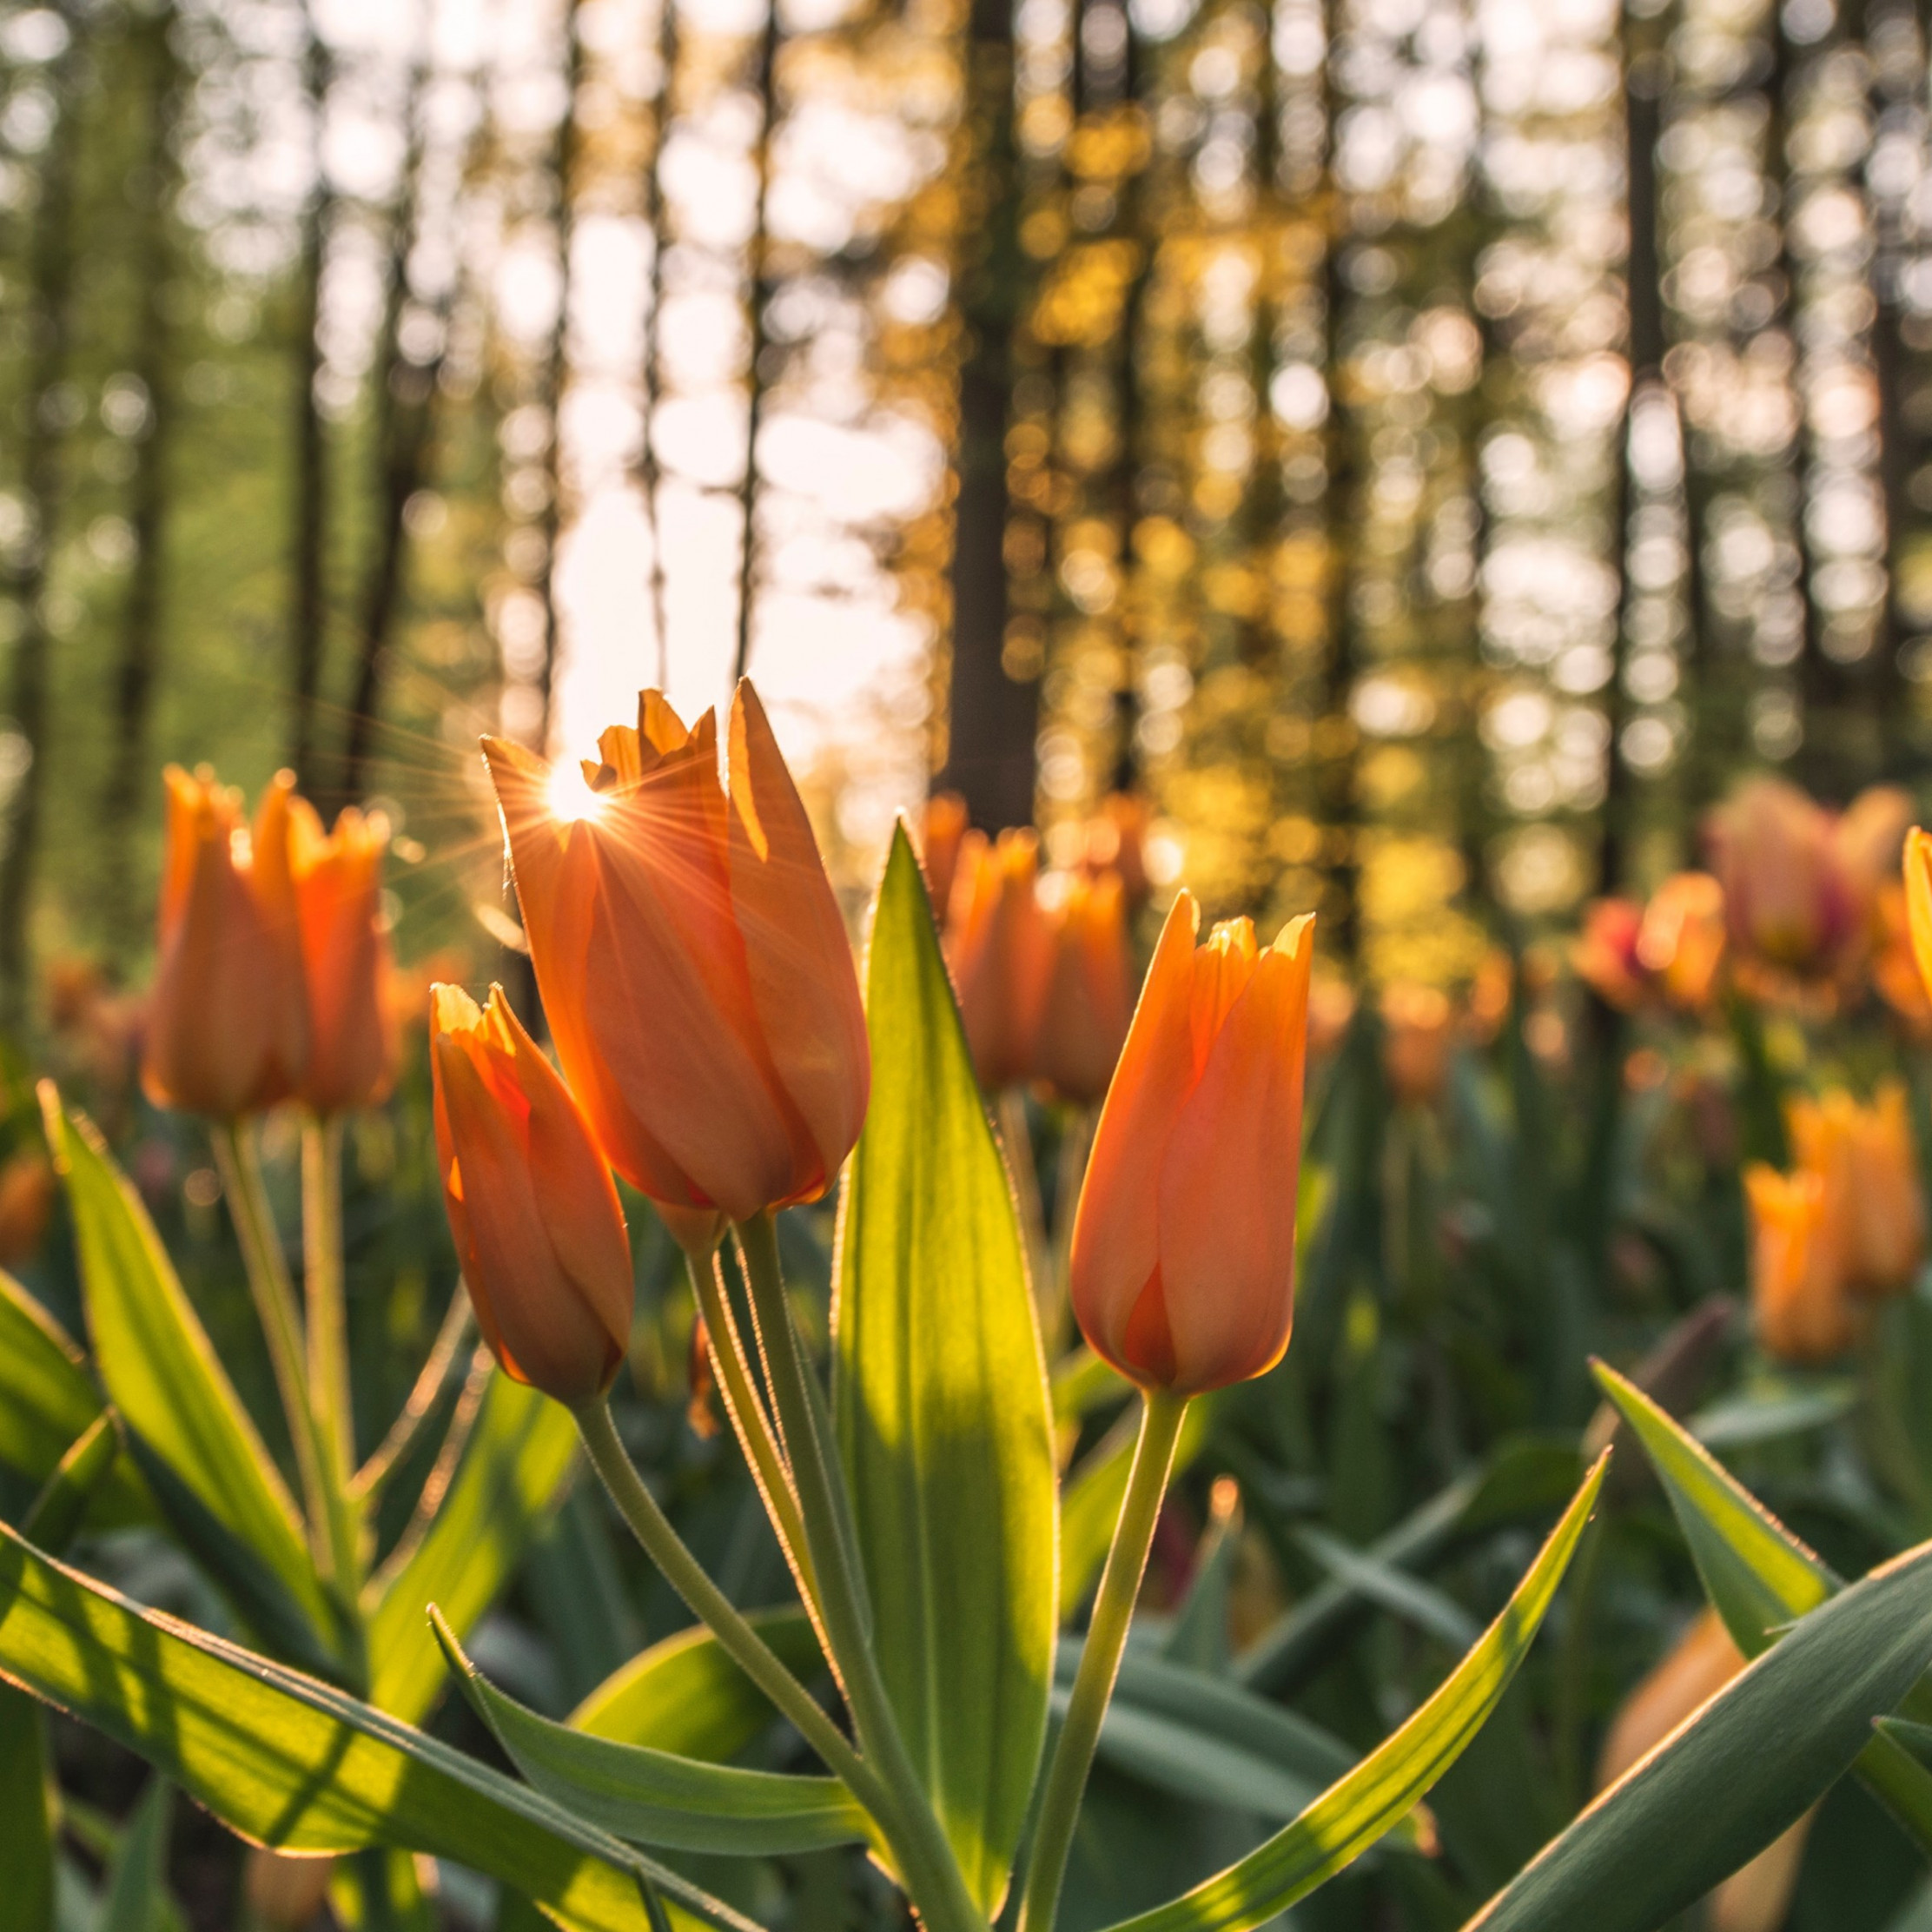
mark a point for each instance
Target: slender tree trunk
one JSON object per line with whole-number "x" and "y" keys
{"x": 563, "y": 168}
{"x": 308, "y": 609}
{"x": 405, "y": 392}
{"x": 650, "y": 472}
{"x": 51, "y": 265}
{"x": 760, "y": 294}
{"x": 138, "y": 663}
{"x": 994, "y": 717}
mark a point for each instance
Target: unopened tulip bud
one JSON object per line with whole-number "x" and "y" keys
{"x": 352, "y": 1044}
{"x": 1800, "y": 1304}
{"x": 227, "y": 1028}
{"x": 945, "y": 826}
{"x": 1000, "y": 952}
{"x": 538, "y": 1231}
{"x": 1182, "y": 1267}
{"x": 693, "y": 962}
{"x": 1089, "y": 998}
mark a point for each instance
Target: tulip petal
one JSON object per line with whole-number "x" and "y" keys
{"x": 1229, "y": 1185}
{"x": 804, "y": 984}
{"x": 1918, "y": 901}
{"x": 1116, "y": 1246}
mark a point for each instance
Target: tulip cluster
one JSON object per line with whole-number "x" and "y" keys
{"x": 1845, "y": 1229}
{"x": 1802, "y": 885}
{"x": 1042, "y": 965}
{"x": 274, "y": 960}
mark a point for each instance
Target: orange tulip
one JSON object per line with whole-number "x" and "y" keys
{"x": 1894, "y": 967}
{"x": 1799, "y": 1299}
{"x": 537, "y": 1227}
{"x": 1089, "y": 997}
{"x": 1666, "y": 953}
{"x": 692, "y": 959}
{"x": 1117, "y": 842}
{"x": 945, "y": 826}
{"x": 1918, "y": 901}
{"x": 1416, "y": 1038}
{"x": 228, "y": 1025}
{"x": 1000, "y": 953}
{"x": 1183, "y": 1268}
{"x": 1872, "y": 1220}
{"x": 1758, "y": 1896}
{"x": 353, "y": 1043}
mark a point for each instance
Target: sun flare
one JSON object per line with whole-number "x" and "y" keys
{"x": 570, "y": 795}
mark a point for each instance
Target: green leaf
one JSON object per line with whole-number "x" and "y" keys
{"x": 656, "y": 1798}
{"x": 55, "y": 1520}
{"x": 288, "y": 1761}
{"x": 1407, "y": 1596}
{"x": 161, "y": 1372}
{"x": 26, "y": 1817}
{"x": 1760, "y": 1577}
{"x": 48, "y": 1398}
{"x": 943, "y": 1418}
{"x": 1767, "y": 1415}
{"x": 516, "y": 1462}
{"x": 686, "y": 1695}
{"x": 1745, "y": 1767}
{"x": 1095, "y": 1492}
{"x": 136, "y": 1899}
{"x": 1387, "y": 1785}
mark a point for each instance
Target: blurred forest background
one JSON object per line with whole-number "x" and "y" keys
{"x": 1429, "y": 447}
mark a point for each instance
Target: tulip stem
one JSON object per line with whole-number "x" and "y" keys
{"x": 327, "y": 1309}
{"x": 932, "y": 1872}
{"x": 329, "y": 1528}
{"x": 1100, "y": 1659}
{"x": 750, "y": 1423}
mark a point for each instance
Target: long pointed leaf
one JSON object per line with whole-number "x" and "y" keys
{"x": 290, "y": 1762}
{"x": 1387, "y": 1784}
{"x": 1738, "y": 1772}
{"x": 161, "y": 1369}
{"x": 943, "y": 1417}
{"x": 513, "y": 1471}
{"x": 656, "y": 1798}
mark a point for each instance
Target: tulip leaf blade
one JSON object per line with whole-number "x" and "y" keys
{"x": 687, "y": 1694}
{"x": 47, "y": 1399}
{"x": 512, "y": 1471}
{"x": 656, "y": 1798}
{"x": 943, "y": 1416}
{"x": 26, "y": 1807}
{"x": 289, "y": 1761}
{"x": 161, "y": 1372}
{"x": 1627, "y": 1863}
{"x": 1371, "y": 1800}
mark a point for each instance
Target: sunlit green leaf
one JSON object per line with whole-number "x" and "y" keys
{"x": 288, "y": 1761}
{"x": 656, "y": 1798}
{"x": 1387, "y": 1784}
{"x": 512, "y": 1469}
{"x": 1746, "y": 1766}
{"x": 942, "y": 1409}
{"x": 161, "y": 1372}
{"x": 26, "y": 1817}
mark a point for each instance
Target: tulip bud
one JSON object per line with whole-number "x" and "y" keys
{"x": 228, "y": 1027}
{"x": 1182, "y": 1267}
{"x": 1089, "y": 997}
{"x": 1798, "y": 1301}
{"x": 1000, "y": 952}
{"x": 538, "y": 1231}
{"x": 945, "y": 826}
{"x": 1117, "y": 842}
{"x": 1918, "y": 901}
{"x": 1666, "y": 953}
{"x": 692, "y": 959}
{"x": 353, "y": 1043}
{"x": 1872, "y": 1218}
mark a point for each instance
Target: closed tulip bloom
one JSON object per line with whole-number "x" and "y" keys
{"x": 1089, "y": 997}
{"x": 1918, "y": 901}
{"x": 945, "y": 826}
{"x": 1799, "y": 1302}
{"x": 227, "y": 1026}
{"x": 692, "y": 959}
{"x": 538, "y": 1231}
{"x": 1872, "y": 1222}
{"x": 353, "y": 1041}
{"x": 1182, "y": 1267}
{"x": 1000, "y": 952}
